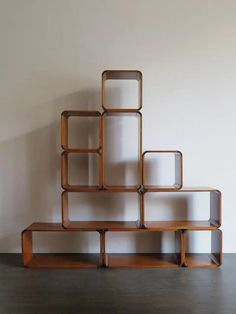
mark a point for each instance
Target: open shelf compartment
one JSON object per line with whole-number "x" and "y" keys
{"x": 120, "y": 175}
{"x": 76, "y": 205}
{"x": 89, "y": 175}
{"x": 91, "y": 127}
{"x": 53, "y": 260}
{"x": 212, "y": 255}
{"x": 171, "y": 175}
{"x": 188, "y": 208}
{"x": 123, "y": 81}
{"x": 146, "y": 260}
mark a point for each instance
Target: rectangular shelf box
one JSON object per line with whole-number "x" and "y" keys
{"x": 202, "y": 249}
{"x": 120, "y": 84}
{"x": 54, "y": 260}
{"x": 78, "y": 210}
{"x": 162, "y": 170}
{"x": 81, "y": 171}
{"x": 188, "y": 208}
{"x": 164, "y": 249}
{"x": 117, "y": 147}
{"x": 87, "y": 129}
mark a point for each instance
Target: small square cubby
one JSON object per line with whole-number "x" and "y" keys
{"x": 120, "y": 88}
{"x": 202, "y": 248}
{"x": 70, "y": 249}
{"x": 188, "y": 208}
{"x": 81, "y": 131}
{"x": 80, "y": 171}
{"x": 162, "y": 170}
{"x": 100, "y": 210}
{"x": 143, "y": 249}
{"x": 122, "y": 156}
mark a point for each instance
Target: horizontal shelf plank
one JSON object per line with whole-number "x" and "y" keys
{"x": 135, "y": 188}
{"x": 122, "y": 75}
{"x": 166, "y": 188}
{"x": 124, "y": 226}
{"x": 64, "y": 261}
{"x": 85, "y": 226}
{"x": 180, "y": 224}
{"x": 122, "y": 111}
{"x": 140, "y": 260}
{"x": 81, "y": 113}
{"x": 109, "y": 225}
{"x": 199, "y": 261}
{"x": 97, "y": 188}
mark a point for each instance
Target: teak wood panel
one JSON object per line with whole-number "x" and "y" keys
{"x": 122, "y": 75}
{"x": 65, "y": 131}
{"x": 178, "y": 171}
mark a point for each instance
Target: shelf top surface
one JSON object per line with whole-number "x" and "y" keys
{"x": 123, "y": 226}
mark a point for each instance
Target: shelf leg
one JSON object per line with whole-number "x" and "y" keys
{"x": 182, "y": 248}
{"x": 103, "y": 260}
{"x": 26, "y": 244}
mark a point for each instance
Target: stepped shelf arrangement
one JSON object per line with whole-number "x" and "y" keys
{"x": 181, "y": 231}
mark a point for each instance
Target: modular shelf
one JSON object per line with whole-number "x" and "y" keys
{"x": 213, "y": 222}
{"x": 111, "y": 144}
{"x": 178, "y": 165}
{"x": 114, "y": 225}
{"x": 53, "y": 260}
{"x": 146, "y": 260}
{"x": 65, "y": 173}
{"x": 203, "y": 260}
{"x": 121, "y": 75}
{"x": 135, "y": 164}
{"x": 65, "y": 130}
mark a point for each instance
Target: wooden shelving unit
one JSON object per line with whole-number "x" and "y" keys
{"x": 181, "y": 230}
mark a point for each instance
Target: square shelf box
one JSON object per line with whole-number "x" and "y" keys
{"x": 113, "y": 211}
{"x": 188, "y": 208}
{"x": 54, "y": 260}
{"x": 81, "y": 131}
{"x": 81, "y": 171}
{"x": 118, "y": 85}
{"x": 162, "y": 170}
{"x": 202, "y": 249}
{"x": 122, "y": 166}
{"x": 149, "y": 249}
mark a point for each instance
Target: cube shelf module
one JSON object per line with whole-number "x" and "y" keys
{"x": 122, "y": 75}
{"x": 166, "y": 212}
{"x": 178, "y": 173}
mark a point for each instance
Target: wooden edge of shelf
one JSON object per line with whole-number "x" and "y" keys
{"x": 80, "y": 113}
{"x": 122, "y": 74}
{"x": 133, "y": 226}
{"x": 162, "y": 152}
{"x": 182, "y": 189}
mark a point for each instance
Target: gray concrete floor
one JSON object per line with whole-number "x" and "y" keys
{"x": 129, "y": 291}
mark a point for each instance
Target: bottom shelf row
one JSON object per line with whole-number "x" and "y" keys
{"x": 186, "y": 251}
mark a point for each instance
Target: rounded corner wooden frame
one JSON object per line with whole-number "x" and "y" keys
{"x": 178, "y": 171}
{"x": 64, "y": 130}
{"x": 121, "y": 75}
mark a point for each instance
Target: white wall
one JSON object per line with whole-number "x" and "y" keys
{"x": 51, "y": 57}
